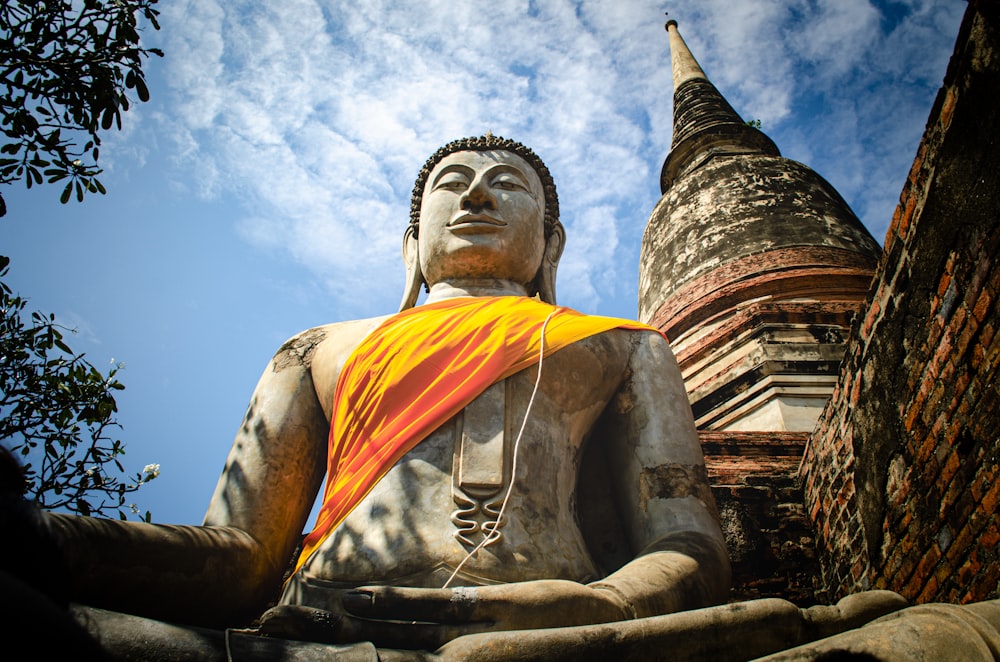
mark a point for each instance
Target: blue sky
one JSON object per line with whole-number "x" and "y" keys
{"x": 265, "y": 187}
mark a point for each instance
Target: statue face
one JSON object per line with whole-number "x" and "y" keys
{"x": 482, "y": 216}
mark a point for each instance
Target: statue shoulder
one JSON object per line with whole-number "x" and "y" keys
{"x": 647, "y": 357}
{"x": 337, "y": 337}
{"x": 639, "y": 344}
{"x": 322, "y": 351}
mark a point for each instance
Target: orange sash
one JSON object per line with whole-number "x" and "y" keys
{"x": 420, "y": 368}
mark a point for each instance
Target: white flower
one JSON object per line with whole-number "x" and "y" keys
{"x": 152, "y": 469}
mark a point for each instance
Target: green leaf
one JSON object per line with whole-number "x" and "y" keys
{"x": 68, "y": 191}
{"x": 141, "y": 89}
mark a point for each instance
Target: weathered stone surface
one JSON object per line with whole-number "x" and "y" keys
{"x": 729, "y": 633}
{"x": 926, "y": 632}
{"x": 748, "y": 207}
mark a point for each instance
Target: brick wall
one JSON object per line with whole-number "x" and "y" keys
{"x": 900, "y": 475}
{"x": 768, "y": 535}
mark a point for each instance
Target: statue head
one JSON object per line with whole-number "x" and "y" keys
{"x": 483, "y": 208}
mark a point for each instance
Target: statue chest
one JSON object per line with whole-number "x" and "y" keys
{"x": 500, "y": 475}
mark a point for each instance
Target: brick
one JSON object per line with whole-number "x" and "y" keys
{"x": 987, "y": 583}
{"x": 967, "y": 571}
{"x": 895, "y": 225}
{"x": 994, "y": 284}
{"x": 948, "y": 107}
{"x": 959, "y": 546}
{"x": 946, "y": 277}
{"x": 894, "y": 556}
{"x": 930, "y": 407}
{"x": 982, "y": 305}
{"x": 912, "y": 589}
{"x": 978, "y": 354}
{"x": 934, "y": 330}
{"x": 948, "y": 470}
{"x": 965, "y": 336}
{"x": 948, "y": 500}
{"x": 916, "y": 174}
{"x": 990, "y": 536}
{"x": 989, "y": 503}
{"x": 986, "y": 333}
{"x": 952, "y": 430}
{"x": 905, "y": 572}
{"x": 873, "y": 314}
{"x": 928, "y": 561}
{"x": 929, "y": 591}
{"x": 958, "y": 318}
{"x": 858, "y": 570}
{"x": 961, "y": 383}
{"x": 911, "y": 419}
{"x": 943, "y": 572}
{"x": 937, "y": 433}
{"x": 930, "y": 470}
{"x": 959, "y": 514}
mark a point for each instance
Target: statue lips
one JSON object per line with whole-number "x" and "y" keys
{"x": 467, "y": 223}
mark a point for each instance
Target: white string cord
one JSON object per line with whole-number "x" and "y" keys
{"x": 513, "y": 468}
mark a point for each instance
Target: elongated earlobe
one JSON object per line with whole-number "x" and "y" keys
{"x": 414, "y": 277}
{"x": 546, "y": 279}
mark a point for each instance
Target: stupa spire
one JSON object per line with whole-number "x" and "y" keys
{"x": 704, "y": 122}
{"x": 682, "y": 62}
{"x": 751, "y": 264}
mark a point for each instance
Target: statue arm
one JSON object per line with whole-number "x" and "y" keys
{"x": 224, "y": 572}
{"x": 662, "y": 491}
{"x": 177, "y": 573}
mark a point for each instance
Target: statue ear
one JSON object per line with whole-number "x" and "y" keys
{"x": 546, "y": 279}
{"x": 414, "y": 277}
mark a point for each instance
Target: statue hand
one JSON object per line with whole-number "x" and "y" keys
{"x": 427, "y": 618}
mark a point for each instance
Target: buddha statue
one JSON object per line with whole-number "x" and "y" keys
{"x": 493, "y": 462}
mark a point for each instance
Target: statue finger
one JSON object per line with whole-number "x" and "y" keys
{"x": 447, "y": 605}
{"x": 407, "y": 636}
{"x": 302, "y": 623}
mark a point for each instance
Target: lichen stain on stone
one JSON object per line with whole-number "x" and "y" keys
{"x": 674, "y": 480}
{"x": 299, "y": 350}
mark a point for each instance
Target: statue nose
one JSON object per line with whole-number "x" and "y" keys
{"x": 479, "y": 196}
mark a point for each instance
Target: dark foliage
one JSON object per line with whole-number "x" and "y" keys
{"x": 66, "y": 69}
{"x": 56, "y": 413}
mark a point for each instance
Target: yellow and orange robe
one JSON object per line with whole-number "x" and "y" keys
{"x": 420, "y": 368}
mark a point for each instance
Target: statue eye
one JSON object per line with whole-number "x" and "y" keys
{"x": 453, "y": 182}
{"x": 507, "y": 184}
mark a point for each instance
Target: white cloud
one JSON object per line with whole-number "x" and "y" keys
{"x": 319, "y": 113}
